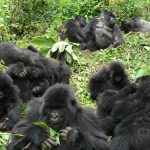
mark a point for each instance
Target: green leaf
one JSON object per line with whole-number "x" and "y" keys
{"x": 51, "y": 131}
{"x": 142, "y": 72}
{"x": 55, "y": 134}
{"x": 44, "y": 41}
{"x": 69, "y": 49}
{"x": 41, "y": 124}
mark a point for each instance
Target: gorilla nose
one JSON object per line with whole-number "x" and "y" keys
{"x": 54, "y": 116}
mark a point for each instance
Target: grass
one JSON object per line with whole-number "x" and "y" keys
{"x": 135, "y": 56}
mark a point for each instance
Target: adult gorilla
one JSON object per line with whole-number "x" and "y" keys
{"x": 10, "y": 104}
{"x": 79, "y": 128}
{"x": 96, "y": 34}
{"x": 113, "y": 108}
{"x": 102, "y": 33}
{"x": 133, "y": 132}
{"x": 135, "y": 25}
{"x": 32, "y": 72}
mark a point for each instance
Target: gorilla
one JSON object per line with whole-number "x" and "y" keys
{"x": 142, "y": 79}
{"x": 111, "y": 102}
{"x": 10, "y": 104}
{"x": 135, "y": 25}
{"x": 113, "y": 77}
{"x": 81, "y": 21}
{"x": 30, "y": 80}
{"x": 133, "y": 132}
{"x": 58, "y": 108}
{"x": 32, "y": 48}
{"x": 102, "y": 33}
{"x": 73, "y": 29}
{"x": 96, "y": 34}
{"x": 32, "y": 72}
{"x": 113, "y": 108}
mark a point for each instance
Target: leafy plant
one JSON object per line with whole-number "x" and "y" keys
{"x": 63, "y": 51}
{"x": 5, "y": 138}
{"x": 51, "y": 131}
{"x": 45, "y": 43}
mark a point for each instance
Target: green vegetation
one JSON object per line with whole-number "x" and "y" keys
{"x": 38, "y": 22}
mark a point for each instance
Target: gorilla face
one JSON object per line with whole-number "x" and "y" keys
{"x": 59, "y": 107}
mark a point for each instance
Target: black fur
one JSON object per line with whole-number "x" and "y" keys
{"x": 135, "y": 25}
{"x": 99, "y": 33}
{"x": 114, "y": 77}
{"x": 59, "y": 109}
{"x": 81, "y": 20}
{"x": 133, "y": 132}
{"x": 73, "y": 31}
{"x": 113, "y": 106}
{"x": 102, "y": 33}
{"x": 113, "y": 109}
{"x": 10, "y": 104}
{"x": 30, "y": 70}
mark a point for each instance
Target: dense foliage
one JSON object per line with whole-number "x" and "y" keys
{"x": 38, "y": 22}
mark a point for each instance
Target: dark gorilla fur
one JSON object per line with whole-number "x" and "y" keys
{"x": 142, "y": 79}
{"x": 135, "y": 25}
{"x": 79, "y": 127}
{"x": 32, "y": 72}
{"x": 73, "y": 29}
{"x": 113, "y": 77}
{"x": 10, "y": 104}
{"x": 81, "y": 20}
{"x": 97, "y": 34}
{"x": 133, "y": 133}
{"x": 102, "y": 33}
{"x": 113, "y": 106}
{"x": 113, "y": 109}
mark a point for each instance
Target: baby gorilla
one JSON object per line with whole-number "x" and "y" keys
{"x": 114, "y": 77}
{"x": 10, "y": 104}
{"x": 79, "y": 128}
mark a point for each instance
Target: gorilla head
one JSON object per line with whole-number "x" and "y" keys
{"x": 81, "y": 20}
{"x": 59, "y": 105}
{"x": 108, "y": 18}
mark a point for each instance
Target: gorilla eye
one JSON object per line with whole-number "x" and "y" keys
{"x": 73, "y": 102}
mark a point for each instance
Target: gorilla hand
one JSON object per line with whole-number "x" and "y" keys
{"x": 18, "y": 70}
{"x": 69, "y": 133}
{"x": 3, "y": 125}
{"x": 50, "y": 142}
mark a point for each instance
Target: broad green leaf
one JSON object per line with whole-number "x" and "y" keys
{"x": 142, "y": 72}
{"x": 69, "y": 49}
{"x": 45, "y": 41}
